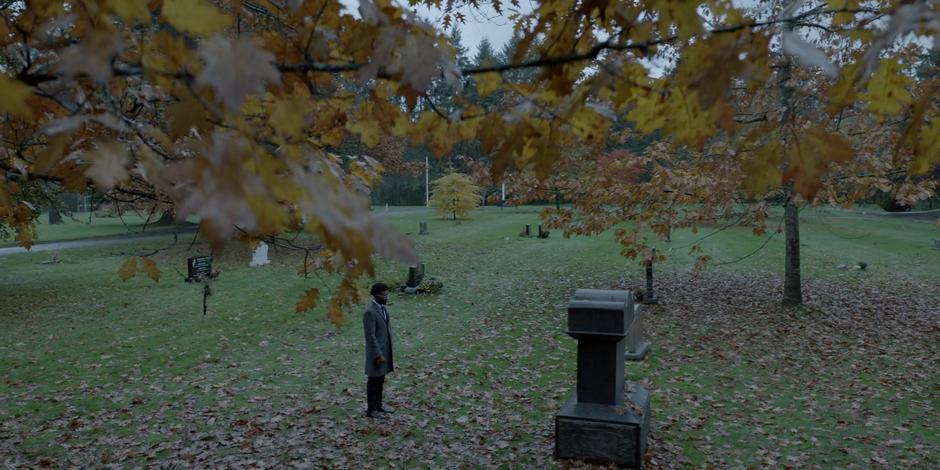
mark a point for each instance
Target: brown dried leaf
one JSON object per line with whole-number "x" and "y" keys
{"x": 149, "y": 267}
{"x": 128, "y": 269}
{"x": 235, "y": 69}
{"x": 107, "y": 165}
{"x": 308, "y": 300}
{"x": 91, "y": 57}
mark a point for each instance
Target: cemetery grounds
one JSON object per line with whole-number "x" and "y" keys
{"x": 96, "y": 371}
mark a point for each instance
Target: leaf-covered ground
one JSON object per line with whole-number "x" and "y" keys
{"x": 99, "y": 372}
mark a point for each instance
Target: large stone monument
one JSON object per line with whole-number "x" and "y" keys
{"x": 604, "y": 421}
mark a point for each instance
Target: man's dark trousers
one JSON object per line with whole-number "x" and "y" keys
{"x": 374, "y": 392}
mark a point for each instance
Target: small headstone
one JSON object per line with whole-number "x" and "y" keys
{"x": 542, "y": 233}
{"x": 260, "y": 257}
{"x": 936, "y": 243}
{"x": 55, "y": 217}
{"x": 423, "y": 228}
{"x": 528, "y": 230}
{"x": 415, "y": 275}
{"x": 199, "y": 268}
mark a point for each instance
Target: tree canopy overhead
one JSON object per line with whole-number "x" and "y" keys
{"x": 235, "y": 111}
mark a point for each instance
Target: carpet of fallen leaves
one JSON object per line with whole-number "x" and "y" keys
{"x": 737, "y": 380}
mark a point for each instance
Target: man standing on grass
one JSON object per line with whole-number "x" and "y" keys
{"x": 378, "y": 331}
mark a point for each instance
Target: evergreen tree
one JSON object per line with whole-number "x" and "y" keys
{"x": 456, "y": 41}
{"x": 485, "y": 54}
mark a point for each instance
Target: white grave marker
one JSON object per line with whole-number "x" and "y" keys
{"x": 260, "y": 258}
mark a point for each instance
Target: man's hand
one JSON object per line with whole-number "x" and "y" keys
{"x": 379, "y": 360}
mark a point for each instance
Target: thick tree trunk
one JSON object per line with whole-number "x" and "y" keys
{"x": 792, "y": 290}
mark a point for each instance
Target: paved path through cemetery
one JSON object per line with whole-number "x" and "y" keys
{"x": 116, "y": 240}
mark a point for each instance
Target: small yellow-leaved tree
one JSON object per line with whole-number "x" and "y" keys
{"x": 455, "y": 194}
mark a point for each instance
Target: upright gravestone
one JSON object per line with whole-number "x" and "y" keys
{"x": 199, "y": 268}
{"x": 936, "y": 243}
{"x": 599, "y": 423}
{"x": 636, "y": 347}
{"x": 415, "y": 275}
{"x": 423, "y": 228}
{"x": 540, "y": 231}
{"x": 55, "y": 217}
{"x": 260, "y": 256}
{"x": 528, "y": 230}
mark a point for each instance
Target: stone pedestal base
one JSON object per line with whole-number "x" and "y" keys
{"x": 639, "y": 354}
{"x": 604, "y": 434}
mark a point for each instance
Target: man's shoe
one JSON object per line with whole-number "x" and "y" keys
{"x": 375, "y": 414}
{"x": 387, "y": 410}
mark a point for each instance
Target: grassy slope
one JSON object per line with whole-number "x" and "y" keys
{"x": 94, "y": 365}
{"x": 79, "y": 225}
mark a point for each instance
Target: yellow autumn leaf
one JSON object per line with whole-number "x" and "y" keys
{"x": 844, "y": 17}
{"x": 763, "y": 171}
{"x": 928, "y": 147}
{"x": 13, "y": 97}
{"x": 684, "y": 15}
{"x": 443, "y": 138}
{"x": 195, "y": 16}
{"x": 487, "y": 83}
{"x": 588, "y": 124}
{"x": 368, "y": 130}
{"x": 128, "y": 269}
{"x": 288, "y": 116}
{"x": 887, "y": 93}
{"x": 271, "y": 217}
{"x": 647, "y": 112}
{"x": 308, "y": 300}
{"x": 130, "y": 10}
{"x": 149, "y": 267}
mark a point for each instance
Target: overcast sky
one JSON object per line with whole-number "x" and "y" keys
{"x": 484, "y": 22}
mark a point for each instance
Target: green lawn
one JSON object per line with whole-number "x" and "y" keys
{"x": 86, "y": 225}
{"x": 96, "y": 371}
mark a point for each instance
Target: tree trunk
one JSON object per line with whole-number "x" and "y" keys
{"x": 558, "y": 200}
{"x": 455, "y": 208}
{"x": 792, "y": 290}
